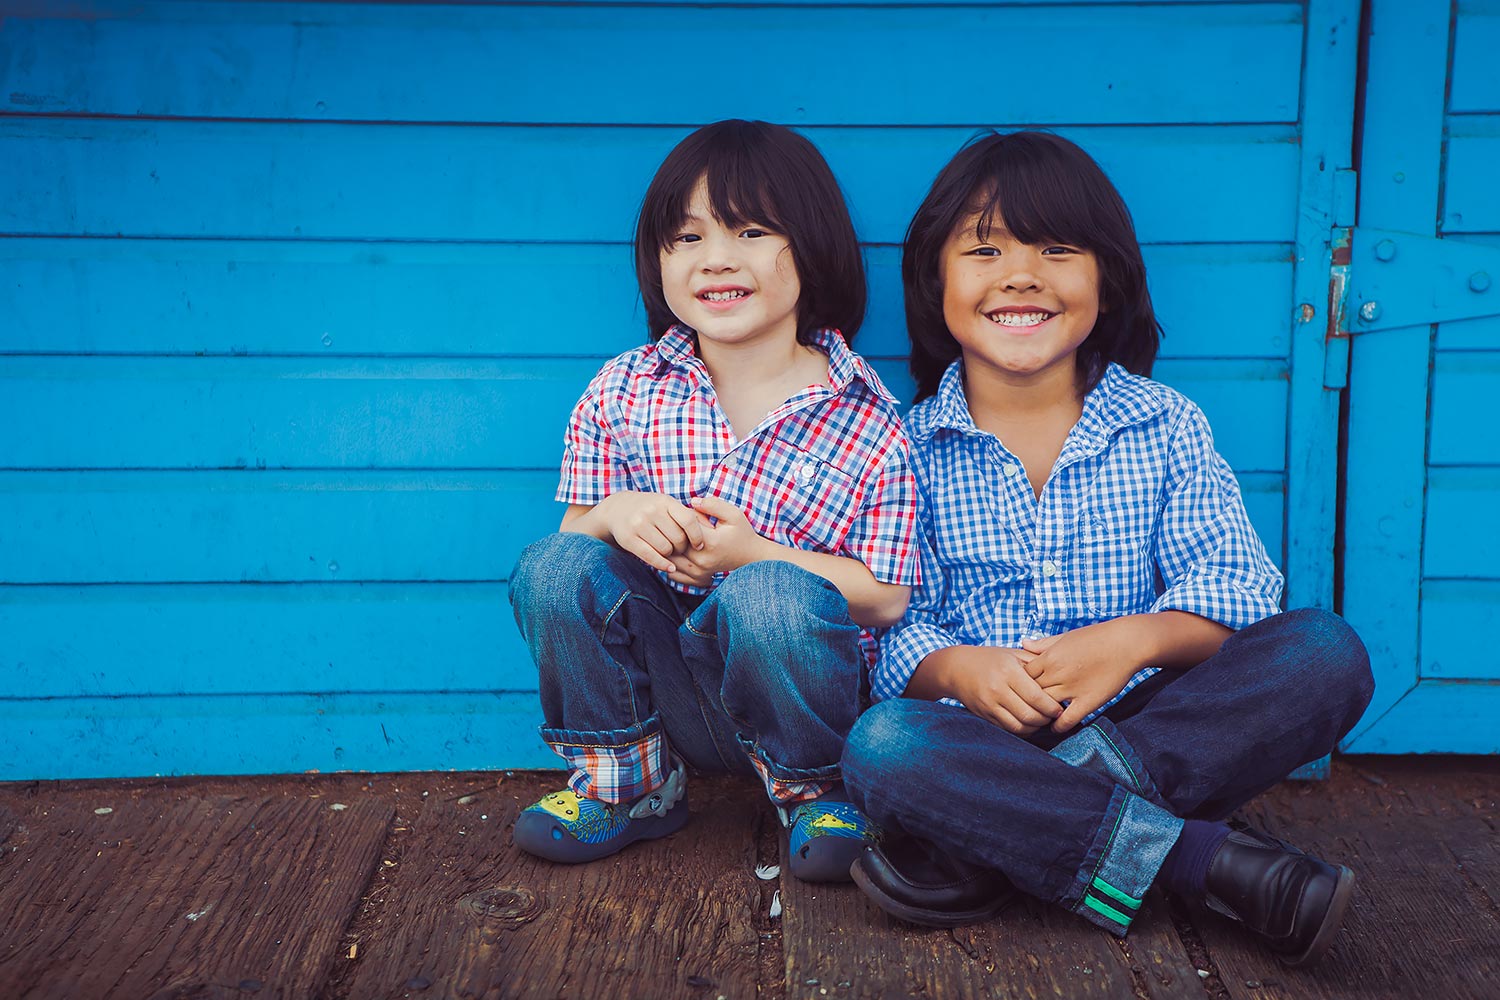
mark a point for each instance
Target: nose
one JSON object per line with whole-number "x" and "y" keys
{"x": 1019, "y": 272}
{"x": 719, "y": 254}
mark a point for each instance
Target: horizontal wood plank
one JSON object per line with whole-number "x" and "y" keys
{"x": 272, "y": 180}
{"x": 1470, "y": 334}
{"x": 270, "y": 734}
{"x": 168, "y": 527}
{"x": 136, "y": 640}
{"x": 305, "y": 527}
{"x": 1461, "y": 505}
{"x": 1469, "y": 202}
{"x": 549, "y": 63}
{"x": 1476, "y": 37}
{"x": 1455, "y": 640}
{"x": 129, "y": 296}
{"x": 481, "y": 413}
{"x": 1465, "y": 385}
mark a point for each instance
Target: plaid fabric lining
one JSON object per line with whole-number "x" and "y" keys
{"x": 789, "y": 793}
{"x": 827, "y": 471}
{"x": 1140, "y": 514}
{"x": 617, "y": 775}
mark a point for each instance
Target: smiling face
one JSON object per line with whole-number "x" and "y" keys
{"x": 1019, "y": 311}
{"x": 734, "y": 286}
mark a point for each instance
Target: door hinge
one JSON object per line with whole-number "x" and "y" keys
{"x": 1336, "y": 340}
{"x": 1403, "y": 279}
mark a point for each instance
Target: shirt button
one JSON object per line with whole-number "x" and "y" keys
{"x": 1010, "y": 469}
{"x": 1049, "y": 568}
{"x": 807, "y": 470}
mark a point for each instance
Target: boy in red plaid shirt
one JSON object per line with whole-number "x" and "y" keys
{"x": 741, "y": 516}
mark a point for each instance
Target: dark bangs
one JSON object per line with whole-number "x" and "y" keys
{"x": 758, "y": 172}
{"x": 1044, "y": 189}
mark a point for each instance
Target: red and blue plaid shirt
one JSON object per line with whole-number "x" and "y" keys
{"x": 826, "y": 471}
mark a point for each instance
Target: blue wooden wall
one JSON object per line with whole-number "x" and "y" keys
{"x": 295, "y": 299}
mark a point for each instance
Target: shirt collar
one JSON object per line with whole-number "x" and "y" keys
{"x": 677, "y": 348}
{"x": 1119, "y": 400}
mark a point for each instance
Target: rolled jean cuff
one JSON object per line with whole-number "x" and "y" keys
{"x": 1100, "y": 748}
{"x": 1128, "y": 850}
{"x": 789, "y": 786}
{"x": 615, "y": 766}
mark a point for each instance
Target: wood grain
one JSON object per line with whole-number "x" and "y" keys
{"x": 209, "y": 897}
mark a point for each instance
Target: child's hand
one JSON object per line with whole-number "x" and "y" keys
{"x": 727, "y": 545}
{"x": 653, "y": 527}
{"x": 1085, "y": 667}
{"x": 996, "y": 684}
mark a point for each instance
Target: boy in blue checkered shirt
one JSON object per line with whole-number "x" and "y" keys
{"x": 1093, "y": 673}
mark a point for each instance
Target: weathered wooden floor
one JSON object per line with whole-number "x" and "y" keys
{"x": 375, "y": 886}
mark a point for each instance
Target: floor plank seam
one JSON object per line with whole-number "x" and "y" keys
{"x": 1139, "y": 984}
{"x": 1196, "y": 947}
{"x": 771, "y": 960}
{"x": 335, "y": 971}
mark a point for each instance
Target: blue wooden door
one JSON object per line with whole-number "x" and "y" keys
{"x": 295, "y": 298}
{"x": 1421, "y": 540}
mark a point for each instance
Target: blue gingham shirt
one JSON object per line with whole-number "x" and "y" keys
{"x": 1140, "y": 514}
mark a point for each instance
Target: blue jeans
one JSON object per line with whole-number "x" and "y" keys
{"x": 1086, "y": 821}
{"x": 764, "y": 675}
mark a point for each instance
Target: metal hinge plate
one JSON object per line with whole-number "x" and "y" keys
{"x": 1402, "y": 279}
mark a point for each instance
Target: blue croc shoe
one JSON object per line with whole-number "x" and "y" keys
{"x": 827, "y": 835}
{"x": 567, "y": 827}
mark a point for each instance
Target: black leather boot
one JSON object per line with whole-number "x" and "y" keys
{"x": 1293, "y": 901}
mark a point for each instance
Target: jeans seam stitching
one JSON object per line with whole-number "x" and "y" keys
{"x": 1135, "y": 779}
{"x": 635, "y": 712}
{"x": 688, "y": 624}
{"x": 1109, "y": 843}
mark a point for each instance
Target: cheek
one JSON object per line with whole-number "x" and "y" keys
{"x": 786, "y": 267}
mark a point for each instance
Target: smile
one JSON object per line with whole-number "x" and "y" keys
{"x": 730, "y": 296}
{"x": 1019, "y": 319}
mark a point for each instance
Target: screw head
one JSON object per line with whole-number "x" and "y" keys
{"x": 1479, "y": 281}
{"x": 1385, "y": 250}
{"x": 1369, "y": 312}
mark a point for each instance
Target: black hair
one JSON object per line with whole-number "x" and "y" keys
{"x": 1046, "y": 190}
{"x": 758, "y": 172}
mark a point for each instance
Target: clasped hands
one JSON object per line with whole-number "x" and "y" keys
{"x": 688, "y": 542}
{"x": 1023, "y": 690}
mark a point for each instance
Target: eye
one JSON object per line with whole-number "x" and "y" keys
{"x": 1058, "y": 251}
{"x": 686, "y": 238}
{"x": 754, "y": 233}
{"x": 985, "y": 251}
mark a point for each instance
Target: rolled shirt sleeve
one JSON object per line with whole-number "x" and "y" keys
{"x": 1211, "y": 559}
{"x": 594, "y": 464}
{"x": 882, "y": 534}
{"x": 927, "y": 625}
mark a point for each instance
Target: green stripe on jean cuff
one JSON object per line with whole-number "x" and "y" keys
{"x": 1108, "y": 911}
{"x": 1116, "y": 894}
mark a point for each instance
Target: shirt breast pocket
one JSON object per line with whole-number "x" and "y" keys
{"x": 816, "y": 505}
{"x": 1116, "y": 542}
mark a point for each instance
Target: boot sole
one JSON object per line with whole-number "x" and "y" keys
{"x": 927, "y": 918}
{"x": 1343, "y": 892}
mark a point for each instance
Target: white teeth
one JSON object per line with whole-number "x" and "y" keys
{"x": 724, "y": 296}
{"x": 1019, "y": 319}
